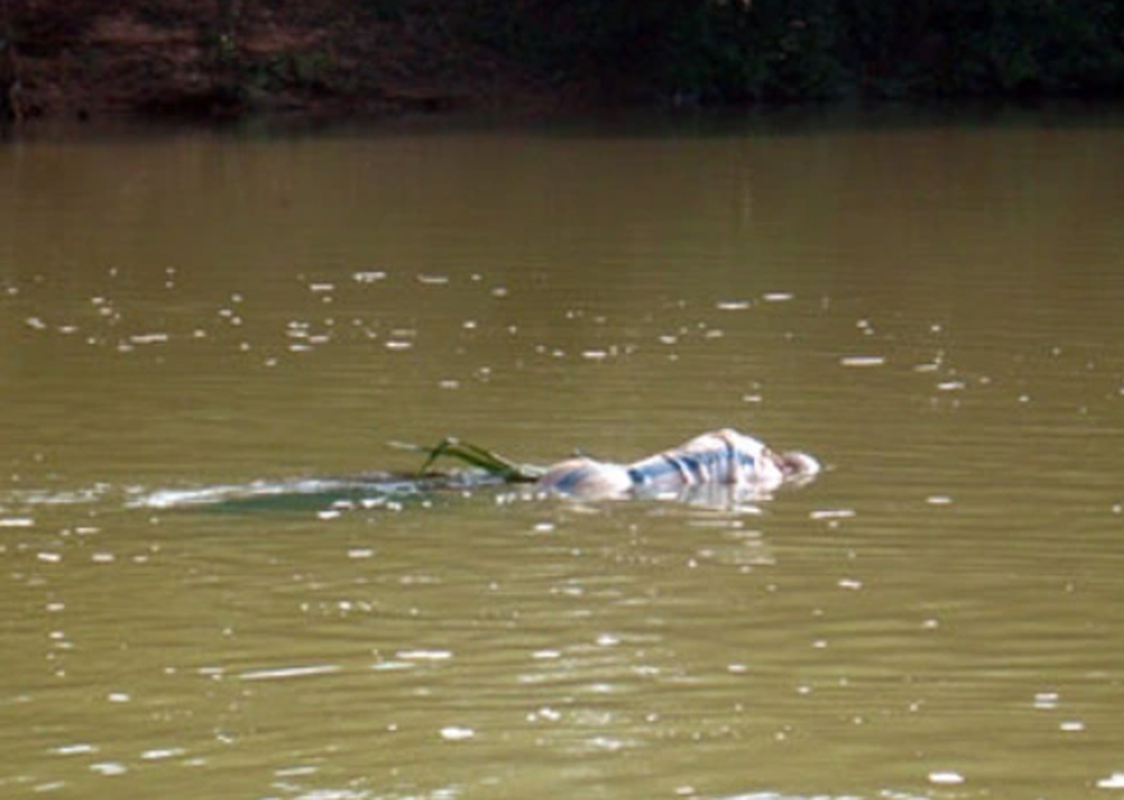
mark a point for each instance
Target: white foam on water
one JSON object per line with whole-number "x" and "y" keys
{"x": 832, "y": 513}
{"x": 74, "y": 749}
{"x": 1113, "y": 781}
{"x": 16, "y": 522}
{"x": 424, "y": 655}
{"x": 159, "y": 754}
{"x": 862, "y": 361}
{"x": 945, "y": 778}
{"x": 456, "y": 733}
{"x": 281, "y": 673}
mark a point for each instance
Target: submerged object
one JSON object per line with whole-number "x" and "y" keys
{"x": 721, "y": 469}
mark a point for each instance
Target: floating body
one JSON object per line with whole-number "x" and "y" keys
{"x": 719, "y": 469}
{"x": 722, "y": 460}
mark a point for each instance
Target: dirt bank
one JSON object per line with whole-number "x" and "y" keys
{"x": 228, "y": 58}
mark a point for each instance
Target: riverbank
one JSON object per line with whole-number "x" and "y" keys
{"x": 178, "y": 58}
{"x": 217, "y": 59}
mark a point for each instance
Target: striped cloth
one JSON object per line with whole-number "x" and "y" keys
{"x": 718, "y": 458}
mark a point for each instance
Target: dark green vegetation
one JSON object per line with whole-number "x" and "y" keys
{"x": 232, "y": 56}
{"x": 489, "y": 461}
{"x": 736, "y": 51}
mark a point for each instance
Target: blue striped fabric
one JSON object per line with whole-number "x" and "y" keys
{"x": 708, "y": 458}
{"x": 718, "y": 458}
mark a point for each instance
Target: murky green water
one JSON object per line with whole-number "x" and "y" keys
{"x": 932, "y": 306}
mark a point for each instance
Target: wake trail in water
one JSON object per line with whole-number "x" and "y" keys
{"x": 365, "y": 491}
{"x": 371, "y": 490}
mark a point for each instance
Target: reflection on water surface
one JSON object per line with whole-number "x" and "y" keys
{"x": 931, "y": 308}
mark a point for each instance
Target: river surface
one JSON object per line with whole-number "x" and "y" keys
{"x": 931, "y": 304}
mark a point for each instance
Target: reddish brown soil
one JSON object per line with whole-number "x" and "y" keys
{"x": 90, "y": 58}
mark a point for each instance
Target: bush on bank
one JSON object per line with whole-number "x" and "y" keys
{"x": 679, "y": 52}
{"x": 734, "y": 51}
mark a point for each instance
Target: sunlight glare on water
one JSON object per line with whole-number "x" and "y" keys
{"x": 207, "y": 340}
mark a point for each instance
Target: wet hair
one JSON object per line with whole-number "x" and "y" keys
{"x": 796, "y": 465}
